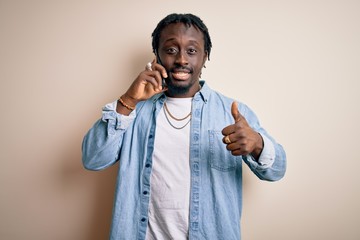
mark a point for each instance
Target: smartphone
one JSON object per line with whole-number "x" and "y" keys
{"x": 159, "y": 62}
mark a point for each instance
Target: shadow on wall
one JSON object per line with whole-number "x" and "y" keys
{"x": 98, "y": 188}
{"x": 100, "y": 220}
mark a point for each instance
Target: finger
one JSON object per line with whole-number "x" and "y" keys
{"x": 149, "y": 65}
{"x": 227, "y": 139}
{"x": 233, "y": 146}
{"x": 156, "y": 78}
{"x": 228, "y": 130}
{"x": 237, "y": 117}
{"x": 235, "y": 112}
{"x": 237, "y": 149}
{"x": 160, "y": 68}
{"x": 237, "y": 152}
{"x": 149, "y": 78}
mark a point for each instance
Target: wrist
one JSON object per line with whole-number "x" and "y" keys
{"x": 259, "y": 146}
{"x": 125, "y": 105}
{"x": 130, "y": 101}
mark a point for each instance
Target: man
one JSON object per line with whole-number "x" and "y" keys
{"x": 180, "y": 146}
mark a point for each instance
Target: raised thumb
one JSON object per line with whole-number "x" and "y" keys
{"x": 235, "y": 111}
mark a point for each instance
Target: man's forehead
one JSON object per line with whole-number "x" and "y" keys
{"x": 180, "y": 26}
{"x": 175, "y": 29}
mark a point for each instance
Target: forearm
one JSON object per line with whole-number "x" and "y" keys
{"x": 99, "y": 148}
{"x": 102, "y": 143}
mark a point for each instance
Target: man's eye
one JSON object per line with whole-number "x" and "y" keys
{"x": 192, "y": 51}
{"x": 171, "y": 50}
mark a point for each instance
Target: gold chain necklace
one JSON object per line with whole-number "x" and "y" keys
{"x": 177, "y": 119}
{"x": 167, "y": 112}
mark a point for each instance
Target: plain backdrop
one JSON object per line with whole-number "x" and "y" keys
{"x": 295, "y": 63}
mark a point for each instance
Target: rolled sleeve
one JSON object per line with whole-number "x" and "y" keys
{"x": 267, "y": 156}
{"x": 115, "y": 120}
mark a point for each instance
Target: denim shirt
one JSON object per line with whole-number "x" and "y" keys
{"x": 216, "y": 175}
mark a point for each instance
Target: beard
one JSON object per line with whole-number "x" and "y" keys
{"x": 176, "y": 89}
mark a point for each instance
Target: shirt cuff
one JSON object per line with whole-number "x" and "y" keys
{"x": 120, "y": 121}
{"x": 267, "y": 156}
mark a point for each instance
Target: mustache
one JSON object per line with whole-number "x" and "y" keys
{"x": 181, "y": 68}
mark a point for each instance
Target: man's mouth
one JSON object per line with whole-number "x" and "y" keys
{"x": 181, "y": 74}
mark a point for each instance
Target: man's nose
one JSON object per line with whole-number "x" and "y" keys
{"x": 182, "y": 58}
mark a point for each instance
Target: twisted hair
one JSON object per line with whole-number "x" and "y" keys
{"x": 188, "y": 20}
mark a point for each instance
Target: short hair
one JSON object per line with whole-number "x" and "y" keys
{"x": 187, "y": 19}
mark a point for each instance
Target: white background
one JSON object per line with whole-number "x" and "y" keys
{"x": 295, "y": 63}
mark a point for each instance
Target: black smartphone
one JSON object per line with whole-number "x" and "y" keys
{"x": 159, "y": 62}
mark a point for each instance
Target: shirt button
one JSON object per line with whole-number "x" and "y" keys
{"x": 196, "y": 167}
{"x": 150, "y": 136}
{"x": 196, "y": 138}
{"x": 197, "y": 113}
{"x": 147, "y": 165}
{"x": 143, "y": 219}
{"x": 145, "y": 192}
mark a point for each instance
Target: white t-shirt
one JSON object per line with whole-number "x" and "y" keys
{"x": 170, "y": 177}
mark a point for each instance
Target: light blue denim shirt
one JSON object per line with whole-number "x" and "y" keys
{"x": 216, "y": 175}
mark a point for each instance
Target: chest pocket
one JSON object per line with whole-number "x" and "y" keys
{"x": 220, "y": 158}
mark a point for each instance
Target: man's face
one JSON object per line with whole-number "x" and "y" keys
{"x": 182, "y": 53}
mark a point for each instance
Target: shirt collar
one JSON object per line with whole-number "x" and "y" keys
{"x": 204, "y": 92}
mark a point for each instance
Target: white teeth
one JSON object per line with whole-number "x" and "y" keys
{"x": 181, "y": 74}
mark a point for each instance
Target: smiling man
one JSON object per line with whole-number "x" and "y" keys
{"x": 182, "y": 53}
{"x": 180, "y": 145}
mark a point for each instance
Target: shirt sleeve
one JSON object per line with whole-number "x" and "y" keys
{"x": 102, "y": 143}
{"x": 121, "y": 121}
{"x": 271, "y": 165}
{"x": 267, "y": 156}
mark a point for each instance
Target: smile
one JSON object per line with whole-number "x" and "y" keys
{"x": 181, "y": 75}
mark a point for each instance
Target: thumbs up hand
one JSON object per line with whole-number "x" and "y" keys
{"x": 240, "y": 138}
